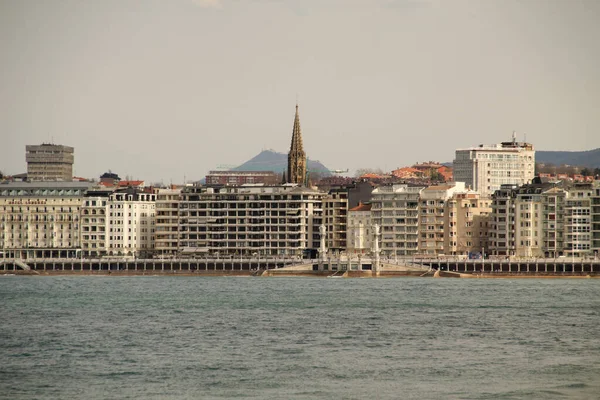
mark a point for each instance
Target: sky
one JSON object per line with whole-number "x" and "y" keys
{"x": 167, "y": 90}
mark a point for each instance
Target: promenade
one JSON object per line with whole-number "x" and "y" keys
{"x": 256, "y": 266}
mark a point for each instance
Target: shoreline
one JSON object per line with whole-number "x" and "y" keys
{"x": 295, "y": 273}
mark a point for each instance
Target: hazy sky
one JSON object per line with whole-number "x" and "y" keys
{"x": 163, "y": 89}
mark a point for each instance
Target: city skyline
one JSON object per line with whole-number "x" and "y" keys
{"x": 162, "y": 90}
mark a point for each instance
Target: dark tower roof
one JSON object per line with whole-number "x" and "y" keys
{"x": 296, "y": 157}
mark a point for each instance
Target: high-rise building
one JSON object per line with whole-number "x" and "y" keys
{"x": 486, "y": 168}
{"x": 296, "y": 171}
{"x": 49, "y": 162}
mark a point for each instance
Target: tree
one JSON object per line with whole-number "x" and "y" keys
{"x": 586, "y": 172}
{"x": 597, "y": 172}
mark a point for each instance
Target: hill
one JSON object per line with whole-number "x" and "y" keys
{"x": 269, "y": 160}
{"x": 589, "y": 158}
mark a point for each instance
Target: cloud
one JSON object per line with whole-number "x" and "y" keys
{"x": 208, "y": 3}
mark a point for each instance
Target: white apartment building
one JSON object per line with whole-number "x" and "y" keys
{"x": 466, "y": 224}
{"x": 360, "y": 230}
{"x": 395, "y": 209}
{"x": 529, "y": 235}
{"x": 166, "y": 240}
{"x": 432, "y": 203}
{"x": 595, "y": 218}
{"x": 130, "y": 221}
{"x": 94, "y": 226}
{"x": 40, "y": 219}
{"x": 578, "y": 221}
{"x": 251, "y": 220}
{"x": 487, "y": 167}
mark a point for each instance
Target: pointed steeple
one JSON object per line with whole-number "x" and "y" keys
{"x": 296, "y": 157}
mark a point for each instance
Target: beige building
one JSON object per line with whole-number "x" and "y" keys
{"x": 553, "y": 224}
{"x": 466, "y": 224}
{"x": 395, "y": 209}
{"x": 360, "y": 230}
{"x": 49, "y": 162}
{"x": 41, "y": 219}
{"x": 335, "y": 219}
{"x": 486, "y": 168}
{"x": 166, "y": 240}
{"x": 529, "y": 235}
{"x": 432, "y": 203}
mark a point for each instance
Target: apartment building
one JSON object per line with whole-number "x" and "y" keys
{"x": 553, "y": 219}
{"x": 432, "y": 203}
{"x": 595, "y": 218}
{"x": 335, "y": 219}
{"x": 502, "y": 221}
{"x": 578, "y": 221}
{"x": 360, "y": 230}
{"x": 49, "y": 162}
{"x": 487, "y": 167}
{"x": 130, "y": 220}
{"x": 94, "y": 224}
{"x": 251, "y": 220}
{"x": 467, "y": 224}
{"x": 395, "y": 209}
{"x": 529, "y": 236}
{"x": 166, "y": 241}
{"x": 40, "y": 219}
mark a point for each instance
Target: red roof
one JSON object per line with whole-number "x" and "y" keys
{"x": 361, "y": 207}
{"x": 131, "y": 183}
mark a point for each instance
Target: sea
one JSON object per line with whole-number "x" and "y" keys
{"x": 157, "y": 337}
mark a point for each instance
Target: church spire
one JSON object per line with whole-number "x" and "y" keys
{"x": 296, "y": 157}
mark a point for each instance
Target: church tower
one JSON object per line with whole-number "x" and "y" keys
{"x": 296, "y": 170}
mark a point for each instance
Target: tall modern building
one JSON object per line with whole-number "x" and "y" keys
{"x": 296, "y": 171}
{"x": 49, "y": 162}
{"x": 486, "y": 168}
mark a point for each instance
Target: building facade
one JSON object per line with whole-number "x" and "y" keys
{"x": 41, "y": 219}
{"x": 335, "y": 219}
{"x": 360, "y": 230}
{"x": 130, "y": 221}
{"x": 395, "y": 209}
{"x": 466, "y": 224}
{"x": 486, "y": 168}
{"x": 250, "y": 220}
{"x": 432, "y": 203}
{"x": 49, "y": 162}
{"x": 166, "y": 238}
